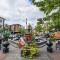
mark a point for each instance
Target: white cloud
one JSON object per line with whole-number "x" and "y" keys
{"x": 3, "y": 8}
{"x": 16, "y": 11}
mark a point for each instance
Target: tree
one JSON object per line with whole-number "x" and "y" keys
{"x": 29, "y": 28}
{"x": 6, "y": 35}
{"x": 40, "y": 21}
{"x": 51, "y": 8}
{"x": 22, "y": 30}
{"x": 38, "y": 28}
{"x": 47, "y": 5}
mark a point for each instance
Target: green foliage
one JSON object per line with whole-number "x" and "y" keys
{"x": 6, "y": 35}
{"x": 29, "y": 28}
{"x": 52, "y": 38}
{"x": 56, "y": 20}
{"x": 40, "y": 21}
{"x": 29, "y": 50}
{"x": 49, "y": 7}
{"x": 38, "y": 28}
{"x": 33, "y": 39}
{"x": 22, "y": 30}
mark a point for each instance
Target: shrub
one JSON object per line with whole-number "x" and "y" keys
{"x": 52, "y": 38}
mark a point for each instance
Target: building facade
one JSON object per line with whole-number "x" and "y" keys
{"x": 15, "y": 28}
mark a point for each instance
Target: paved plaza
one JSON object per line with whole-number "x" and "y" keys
{"x": 2, "y": 56}
{"x": 14, "y": 54}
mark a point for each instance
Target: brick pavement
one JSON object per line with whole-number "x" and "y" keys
{"x": 2, "y": 56}
{"x": 55, "y": 55}
{"x": 14, "y": 54}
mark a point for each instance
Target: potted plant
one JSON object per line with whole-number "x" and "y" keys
{"x": 52, "y": 38}
{"x": 29, "y": 50}
{"x": 5, "y": 42}
{"x": 49, "y": 46}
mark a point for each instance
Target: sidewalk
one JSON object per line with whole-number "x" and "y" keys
{"x": 2, "y": 56}
{"x": 14, "y": 54}
{"x": 55, "y": 55}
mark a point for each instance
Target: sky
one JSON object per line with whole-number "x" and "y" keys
{"x": 16, "y": 12}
